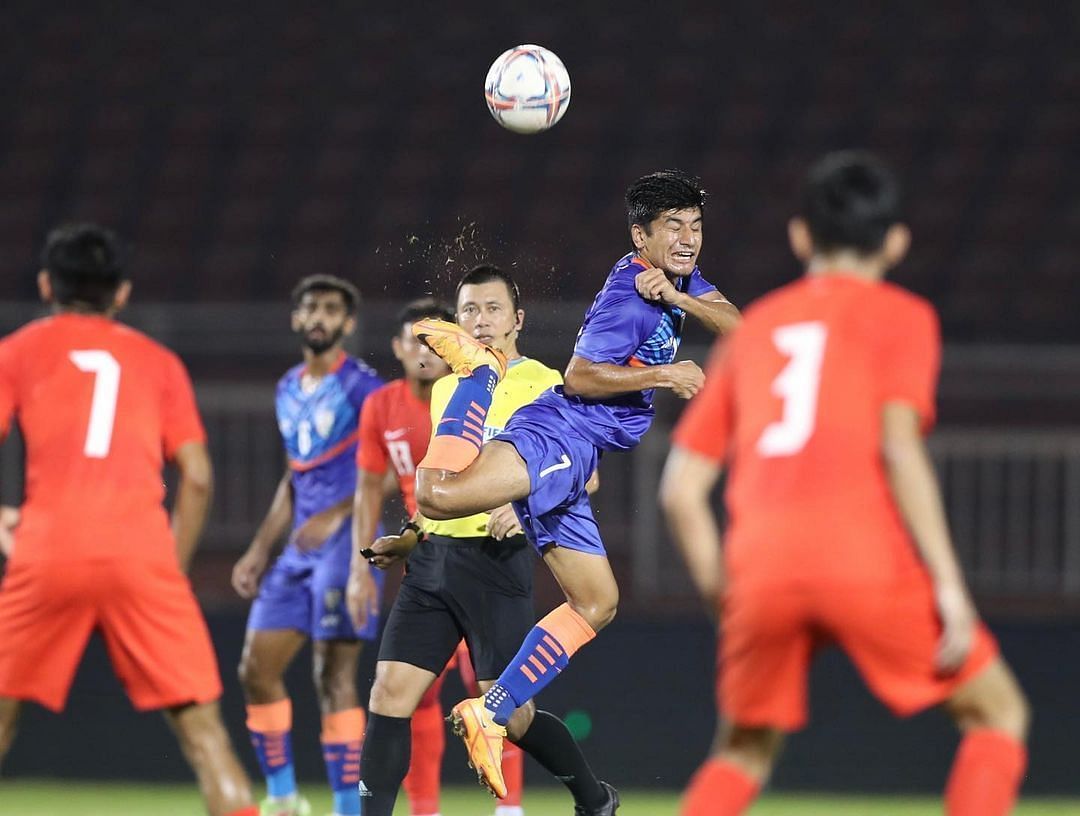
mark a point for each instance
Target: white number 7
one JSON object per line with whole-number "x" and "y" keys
{"x": 106, "y": 373}
{"x": 797, "y": 385}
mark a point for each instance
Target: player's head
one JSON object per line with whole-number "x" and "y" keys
{"x": 324, "y": 311}
{"x": 850, "y": 213}
{"x": 82, "y": 269}
{"x": 664, "y": 210}
{"x": 489, "y": 307}
{"x": 417, "y": 360}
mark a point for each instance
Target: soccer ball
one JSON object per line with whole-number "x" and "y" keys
{"x": 527, "y": 89}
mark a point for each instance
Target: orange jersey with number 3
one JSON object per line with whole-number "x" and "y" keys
{"x": 794, "y": 401}
{"x": 100, "y": 407}
{"x": 395, "y": 426}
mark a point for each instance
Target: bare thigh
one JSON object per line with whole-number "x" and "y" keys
{"x": 497, "y": 476}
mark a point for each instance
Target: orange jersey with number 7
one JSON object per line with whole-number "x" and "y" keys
{"x": 794, "y": 401}
{"x": 100, "y": 407}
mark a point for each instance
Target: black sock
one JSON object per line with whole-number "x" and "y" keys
{"x": 549, "y": 742}
{"x": 384, "y": 761}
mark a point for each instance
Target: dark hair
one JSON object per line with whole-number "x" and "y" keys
{"x": 849, "y": 201}
{"x": 424, "y": 307}
{"x": 85, "y": 263}
{"x": 655, "y": 193}
{"x": 327, "y": 283}
{"x": 486, "y": 273}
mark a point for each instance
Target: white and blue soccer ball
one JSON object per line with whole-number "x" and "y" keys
{"x": 527, "y": 89}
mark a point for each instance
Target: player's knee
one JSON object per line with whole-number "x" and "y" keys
{"x": 390, "y": 699}
{"x": 336, "y": 689}
{"x": 600, "y": 611}
{"x": 257, "y": 687}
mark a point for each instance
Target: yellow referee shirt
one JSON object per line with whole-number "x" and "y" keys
{"x": 525, "y": 380}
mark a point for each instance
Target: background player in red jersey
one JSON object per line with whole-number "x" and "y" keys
{"x": 837, "y": 534}
{"x": 100, "y": 407}
{"x": 395, "y": 425}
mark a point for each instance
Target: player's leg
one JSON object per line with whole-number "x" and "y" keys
{"x": 729, "y": 780}
{"x": 206, "y": 746}
{"x": 160, "y": 648}
{"x": 418, "y": 641}
{"x": 892, "y": 637}
{"x": 592, "y": 597}
{"x": 266, "y": 655}
{"x": 336, "y": 654}
{"x": 278, "y": 626}
{"x": 497, "y": 475}
{"x": 993, "y": 715}
{"x": 423, "y": 782}
{"x": 343, "y": 720}
{"x": 10, "y": 709}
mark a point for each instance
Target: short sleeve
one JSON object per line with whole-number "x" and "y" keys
{"x": 615, "y": 328}
{"x": 8, "y": 385}
{"x": 371, "y": 454}
{"x": 697, "y": 286}
{"x": 911, "y": 359}
{"x": 706, "y": 425}
{"x": 180, "y": 415}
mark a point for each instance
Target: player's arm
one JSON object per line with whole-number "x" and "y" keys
{"x": 714, "y": 311}
{"x": 915, "y": 490}
{"x": 192, "y": 502}
{"x": 249, "y": 569}
{"x": 584, "y": 378}
{"x": 366, "y": 511}
{"x": 685, "y": 487}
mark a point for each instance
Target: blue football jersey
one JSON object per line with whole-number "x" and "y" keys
{"x": 623, "y": 328}
{"x": 320, "y": 429}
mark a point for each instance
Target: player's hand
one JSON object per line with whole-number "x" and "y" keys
{"x": 958, "y": 621}
{"x": 685, "y": 378}
{"x": 653, "y": 284}
{"x": 249, "y": 571}
{"x": 503, "y": 523}
{"x": 9, "y": 520}
{"x": 361, "y": 595}
{"x": 314, "y": 532}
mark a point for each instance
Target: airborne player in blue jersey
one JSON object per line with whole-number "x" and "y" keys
{"x": 302, "y": 596}
{"x": 541, "y": 462}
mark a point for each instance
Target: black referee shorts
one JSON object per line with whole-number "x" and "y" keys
{"x": 478, "y": 589}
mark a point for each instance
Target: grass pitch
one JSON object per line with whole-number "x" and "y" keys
{"x": 61, "y": 798}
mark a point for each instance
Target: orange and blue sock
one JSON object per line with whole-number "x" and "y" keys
{"x": 460, "y": 433}
{"x": 270, "y": 725}
{"x": 342, "y": 733}
{"x": 545, "y": 652}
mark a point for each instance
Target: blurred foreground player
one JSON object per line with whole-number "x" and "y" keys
{"x": 100, "y": 407}
{"x": 819, "y": 403}
{"x": 302, "y": 595}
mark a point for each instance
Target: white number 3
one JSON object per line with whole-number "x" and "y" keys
{"x": 106, "y": 373}
{"x": 797, "y": 385}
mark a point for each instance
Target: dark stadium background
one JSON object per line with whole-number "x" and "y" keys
{"x": 239, "y": 147}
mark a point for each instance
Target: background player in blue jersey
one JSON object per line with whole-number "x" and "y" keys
{"x": 303, "y": 594}
{"x": 542, "y": 460}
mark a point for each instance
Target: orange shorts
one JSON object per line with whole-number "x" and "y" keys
{"x": 890, "y": 633}
{"x": 146, "y": 612}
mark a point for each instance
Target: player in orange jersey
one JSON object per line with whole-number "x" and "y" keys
{"x": 395, "y": 425}
{"x": 101, "y": 407}
{"x": 818, "y": 404}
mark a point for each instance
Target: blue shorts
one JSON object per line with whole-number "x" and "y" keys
{"x": 557, "y": 509}
{"x": 305, "y": 591}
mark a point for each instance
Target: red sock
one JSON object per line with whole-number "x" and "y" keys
{"x": 252, "y": 810}
{"x": 428, "y": 740}
{"x": 513, "y": 768}
{"x": 986, "y": 774}
{"x": 719, "y": 788}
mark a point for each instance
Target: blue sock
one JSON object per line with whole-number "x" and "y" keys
{"x": 341, "y": 738}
